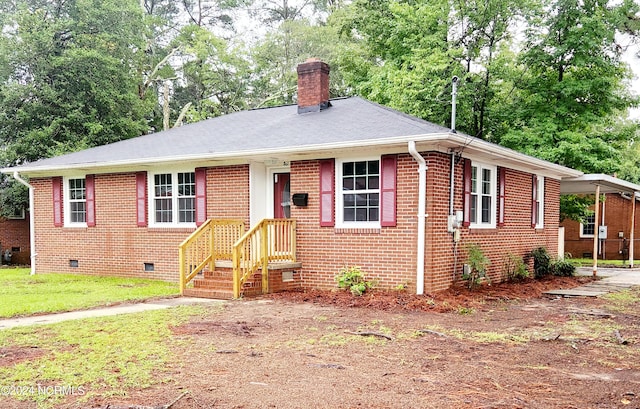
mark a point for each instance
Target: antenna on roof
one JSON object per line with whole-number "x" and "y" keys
{"x": 454, "y": 93}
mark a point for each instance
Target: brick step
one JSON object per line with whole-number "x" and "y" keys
{"x": 208, "y": 293}
{"x": 213, "y": 283}
{"x": 219, "y": 273}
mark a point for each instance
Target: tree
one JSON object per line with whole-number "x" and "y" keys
{"x": 70, "y": 80}
{"x": 572, "y": 88}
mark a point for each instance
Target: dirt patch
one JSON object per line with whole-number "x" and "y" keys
{"x": 501, "y": 347}
{"x": 13, "y": 355}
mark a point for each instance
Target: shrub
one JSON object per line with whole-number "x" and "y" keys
{"x": 541, "y": 262}
{"x": 478, "y": 264}
{"x": 514, "y": 268}
{"x": 563, "y": 268}
{"x": 352, "y": 279}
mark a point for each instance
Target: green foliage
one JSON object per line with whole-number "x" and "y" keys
{"x": 573, "y": 207}
{"x": 478, "y": 263}
{"x": 544, "y": 264}
{"x": 352, "y": 278}
{"x": 563, "y": 268}
{"x": 541, "y": 262}
{"x": 514, "y": 268}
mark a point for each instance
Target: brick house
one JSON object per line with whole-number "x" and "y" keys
{"x": 14, "y": 237}
{"x": 366, "y": 185}
{"x": 615, "y": 212}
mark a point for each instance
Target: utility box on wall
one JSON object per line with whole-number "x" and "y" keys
{"x": 602, "y": 232}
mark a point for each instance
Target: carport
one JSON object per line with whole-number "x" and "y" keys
{"x": 597, "y": 184}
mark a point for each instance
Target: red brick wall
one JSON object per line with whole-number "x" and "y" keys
{"x": 516, "y": 237}
{"x": 116, "y": 246}
{"x": 15, "y": 234}
{"x": 617, "y": 218}
{"x": 388, "y": 255}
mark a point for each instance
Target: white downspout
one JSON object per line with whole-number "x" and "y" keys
{"x": 32, "y": 227}
{"x": 422, "y": 200}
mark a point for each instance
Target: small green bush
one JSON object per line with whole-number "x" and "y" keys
{"x": 352, "y": 279}
{"x": 563, "y": 268}
{"x": 541, "y": 262}
{"x": 514, "y": 268}
{"x": 478, "y": 264}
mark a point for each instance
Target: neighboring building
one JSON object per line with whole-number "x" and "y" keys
{"x": 359, "y": 173}
{"x": 14, "y": 239}
{"x": 616, "y": 211}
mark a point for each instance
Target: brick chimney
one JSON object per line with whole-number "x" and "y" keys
{"x": 313, "y": 86}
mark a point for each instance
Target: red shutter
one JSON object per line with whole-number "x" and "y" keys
{"x": 141, "y": 199}
{"x": 90, "y": 186}
{"x": 501, "y": 194}
{"x": 327, "y": 193}
{"x": 201, "y": 196}
{"x": 57, "y": 201}
{"x": 534, "y": 200}
{"x": 388, "y": 168}
{"x": 466, "y": 182}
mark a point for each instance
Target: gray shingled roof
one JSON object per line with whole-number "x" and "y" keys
{"x": 348, "y": 120}
{"x": 349, "y": 125}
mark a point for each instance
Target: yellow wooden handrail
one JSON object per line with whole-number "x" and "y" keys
{"x": 269, "y": 240}
{"x": 212, "y": 241}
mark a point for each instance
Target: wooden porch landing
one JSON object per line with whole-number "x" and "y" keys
{"x": 218, "y": 284}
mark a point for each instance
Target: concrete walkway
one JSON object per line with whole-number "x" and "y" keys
{"x": 613, "y": 279}
{"x": 159, "y": 304}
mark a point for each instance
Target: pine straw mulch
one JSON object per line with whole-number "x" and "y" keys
{"x": 452, "y": 299}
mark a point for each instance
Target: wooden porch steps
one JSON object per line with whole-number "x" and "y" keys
{"x": 218, "y": 284}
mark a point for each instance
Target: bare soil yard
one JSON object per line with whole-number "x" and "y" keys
{"x": 505, "y": 346}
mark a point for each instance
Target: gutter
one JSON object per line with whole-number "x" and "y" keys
{"x": 32, "y": 227}
{"x": 422, "y": 200}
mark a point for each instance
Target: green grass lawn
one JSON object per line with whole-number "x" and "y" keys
{"x": 104, "y": 356}
{"x": 588, "y": 262}
{"x": 24, "y": 294}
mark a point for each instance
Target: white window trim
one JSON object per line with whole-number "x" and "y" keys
{"x": 540, "y": 200}
{"x": 66, "y": 196}
{"x": 494, "y": 196}
{"x": 151, "y": 198}
{"x": 339, "y": 214}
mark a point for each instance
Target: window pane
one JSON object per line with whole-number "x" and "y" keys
{"x": 362, "y": 200}
{"x": 187, "y": 184}
{"x": 347, "y": 183}
{"x": 186, "y": 210}
{"x": 361, "y": 183}
{"x": 163, "y": 185}
{"x": 486, "y": 209}
{"x": 374, "y": 167}
{"x": 374, "y": 182}
{"x": 474, "y": 208}
{"x": 374, "y": 200}
{"x": 77, "y": 212}
{"x": 486, "y": 181}
{"x": 349, "y": 200}
{"x": 361, "y": 215}
{"x": 347, "y": 169}
{"x": 164, "y": 211}
{"x": 349, "y": 214}
{"x": 361, "y": 168}
{"x": 373, "y": 214}
{"x": 474, "y": 179}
